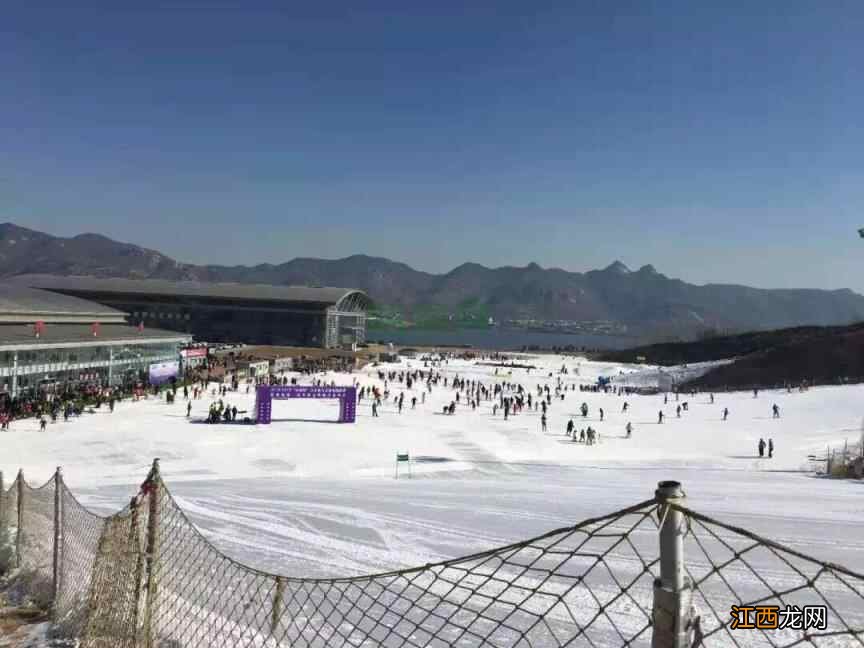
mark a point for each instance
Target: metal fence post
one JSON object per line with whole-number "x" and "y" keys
{"x": 152, "y": 551}
{"x": 58, "y": 533}
{"x": 19, "y": 531}
{"x": 673, "y": 611}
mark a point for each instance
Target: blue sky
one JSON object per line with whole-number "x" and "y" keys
{"x": 720, "y": 143}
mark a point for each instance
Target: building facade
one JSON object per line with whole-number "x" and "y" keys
{"x": 52, "y": 342}
{"x": 213, "y": 312}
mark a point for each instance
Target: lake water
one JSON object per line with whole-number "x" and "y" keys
{"x": 500, "y": 339}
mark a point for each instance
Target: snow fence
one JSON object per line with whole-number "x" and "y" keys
{"x": 655, "y": 573}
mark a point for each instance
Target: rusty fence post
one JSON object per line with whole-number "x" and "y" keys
{"x": 276, "y": 613}
{"x": 152, "y": 551}
{"x": 135, "y": 546}
{"x": 19, "y": 533}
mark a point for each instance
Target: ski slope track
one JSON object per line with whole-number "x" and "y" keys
{"x": 307, "y": 497}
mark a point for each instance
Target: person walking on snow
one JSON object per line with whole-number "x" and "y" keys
{"x": 776, "y": 410}
{"x": 678, "y": 411}
{"x": 770, "y": 448}
{"x": 761, "y": 448}
{"x": 725, "y": 413}
{"x": 188, "y": 409}
{"x": 543, "y": 423}
{"x": 629, "y": 429}
{"x": 660, "y": 416}
{"x": 601, "y": 413}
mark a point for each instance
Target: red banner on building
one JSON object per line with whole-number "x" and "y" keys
{"x": 198, "y": 352}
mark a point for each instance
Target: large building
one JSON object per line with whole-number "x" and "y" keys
{"x": 222, "y": 312}
{"x": 52, "y": 342}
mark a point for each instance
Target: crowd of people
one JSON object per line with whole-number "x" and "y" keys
{"x": 503, "y": 395}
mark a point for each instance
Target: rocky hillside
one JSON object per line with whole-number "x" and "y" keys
{"x": 645, "y": 301}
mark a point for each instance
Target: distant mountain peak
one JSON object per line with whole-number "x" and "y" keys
{"x": 644, "y": 302}
{"x": 617, "y": 267}
{"x": 468, "y": 266}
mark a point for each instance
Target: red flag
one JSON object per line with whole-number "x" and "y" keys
{"x": 39, "y": 328}
{"x": 95, "y": 329}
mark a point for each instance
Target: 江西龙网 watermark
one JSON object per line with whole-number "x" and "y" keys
{"x": 772, "y": 617}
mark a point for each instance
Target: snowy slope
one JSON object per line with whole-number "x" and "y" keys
{"x": 479, "y": 480}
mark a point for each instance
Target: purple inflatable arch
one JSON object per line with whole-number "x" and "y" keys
{"x": 265, "y": 394}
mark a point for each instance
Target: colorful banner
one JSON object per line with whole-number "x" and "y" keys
{"x": 265, "y": 394}
{"x": 199, "y": 352}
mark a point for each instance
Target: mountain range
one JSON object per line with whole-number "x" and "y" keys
{"x": 644, "y": 301}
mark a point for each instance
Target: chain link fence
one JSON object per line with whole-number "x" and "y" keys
{"x": 146, "y": 578}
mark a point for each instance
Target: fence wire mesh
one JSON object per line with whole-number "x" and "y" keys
{"x": 732, "y": 566}
{"x": 146, "y": 577}
{"x": 81, "y": 531}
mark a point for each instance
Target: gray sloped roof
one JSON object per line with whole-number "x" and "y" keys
{"x": 21, "y": 299}
{"x": 262, "y": 292}
{"x": 22, "y": 334}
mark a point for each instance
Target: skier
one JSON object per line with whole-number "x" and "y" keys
{"x": 712, "y": 399}
{"x": 678, "y": 411}
{"x": 624, "y": 409}
{"x": 582, "y": 435}
{"x": 42, "y": 423}
{"x": 374, "y": 408}
{"x": 770, "y": 448}
{"x": 660, "y": 416}
{"x": 188, "y": 409}
{"x": 629, "y": 429}
{"x": 601, "y": 413}
{"x": 543, "y": 423}
{"x": 776, "y": 410}
{"x": 725, "y": 413}
{"x": 761, "y": 448}
{"x": 570, "y": 427}
{"x": 665, "y": 399}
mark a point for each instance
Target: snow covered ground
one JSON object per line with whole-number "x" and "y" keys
{"x": 477, "y": 455}
{"x": 303, "y": 497}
